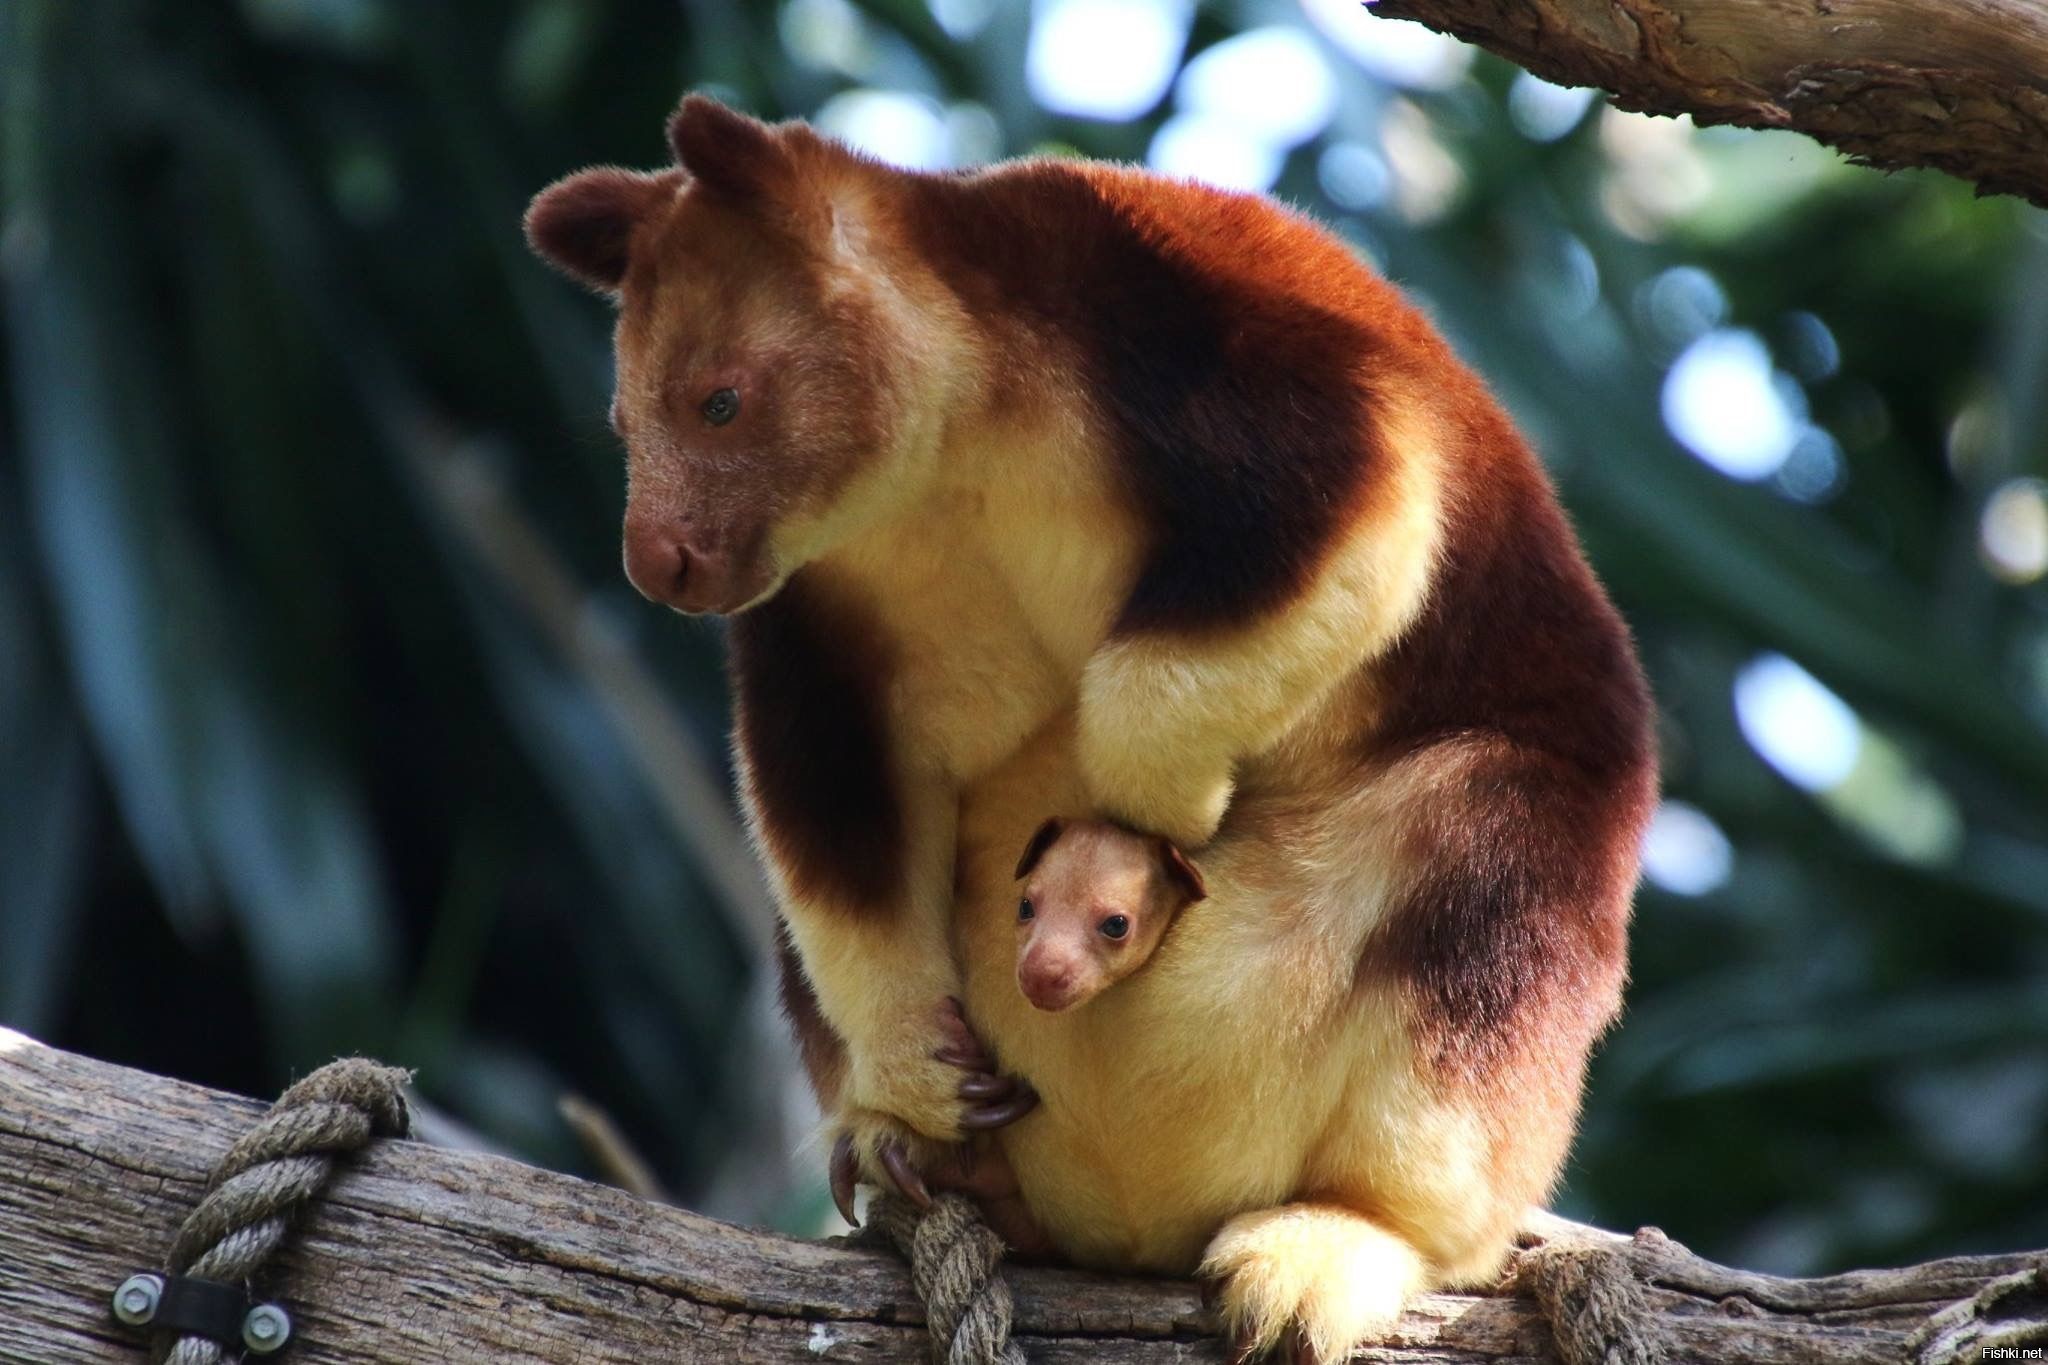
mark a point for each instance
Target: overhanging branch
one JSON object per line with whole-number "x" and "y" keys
{"x": 1958, "y": 85}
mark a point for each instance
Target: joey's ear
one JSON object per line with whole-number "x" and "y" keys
{"x": 1040, "y": 842}
{"x": 1182, "y": 872}
{"x": 583, "y": 224}
{"x": 724, "y": 148}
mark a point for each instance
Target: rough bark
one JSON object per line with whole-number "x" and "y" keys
{"x": 1958, "y": 85}
{"x": 424, "y": 1254}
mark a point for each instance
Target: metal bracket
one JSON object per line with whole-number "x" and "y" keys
{"x": 191, "y": 1306}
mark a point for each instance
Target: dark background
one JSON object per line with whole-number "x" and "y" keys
{"x": 328, "y": 722}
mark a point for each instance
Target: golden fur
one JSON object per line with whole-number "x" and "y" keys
{"x": 1066, "y": 490}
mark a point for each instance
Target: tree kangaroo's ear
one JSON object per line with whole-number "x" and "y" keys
{"x": 1040, "y": 842}
{"x": 583, "y": 224}
{"x": 1182, "y": 871}
{"x": 726, "y": 149}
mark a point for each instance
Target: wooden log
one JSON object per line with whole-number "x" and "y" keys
{"x": 424, "y": 1254}
{"x": 1959, "y": 85}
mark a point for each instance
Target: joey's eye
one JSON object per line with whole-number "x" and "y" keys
{"x": 1024, "y": 911}
{"x": 721, "y": 407}
{"x": 1116, "y": 926}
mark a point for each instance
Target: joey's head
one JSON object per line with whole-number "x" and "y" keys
{"x": 1098, "y": 898}
{"x": 778, "y": 388}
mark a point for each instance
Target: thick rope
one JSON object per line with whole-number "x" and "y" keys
{"x": 277, "y": 1166}
{"x": 1598, "y": 1312}
{"x": 953, "y": 1258}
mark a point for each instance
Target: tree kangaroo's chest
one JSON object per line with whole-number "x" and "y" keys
{"x": 989, "y": 621}
{"x": 965, "y": 693}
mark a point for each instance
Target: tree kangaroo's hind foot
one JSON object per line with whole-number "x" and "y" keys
{"x": 1310, "y": 1280}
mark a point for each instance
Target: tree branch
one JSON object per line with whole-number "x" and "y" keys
{"x": 420, "y": 1253}
{"x": 1959, "y": 85}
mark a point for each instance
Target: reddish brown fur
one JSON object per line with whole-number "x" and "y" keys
{"x": 807, "y": 677}
{"x": 587, "y": 224}
{"x": 1263, "y": 408}
{"x": 1518, "y": 929}
{"x": 711, "y": 279}
{"x": 1228, "y": 380}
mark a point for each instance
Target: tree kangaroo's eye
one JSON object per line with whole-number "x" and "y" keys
{"x": 1116, "y": 926}
{"x": 721, "y": 407}
{"x": 1024, "y": 911}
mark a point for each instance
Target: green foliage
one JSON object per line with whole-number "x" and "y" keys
{"x": 327, "y": 722}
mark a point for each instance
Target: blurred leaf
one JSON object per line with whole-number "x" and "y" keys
{"x": 45, "y": 819}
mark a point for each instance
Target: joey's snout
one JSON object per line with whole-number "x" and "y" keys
{"x": 1053, "y": 980}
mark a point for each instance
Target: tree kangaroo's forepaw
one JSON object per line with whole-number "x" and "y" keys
{"x": 1308, "y": 1283}
{"x": 963, "y": 1094}
{"x": 882, "y": 1148}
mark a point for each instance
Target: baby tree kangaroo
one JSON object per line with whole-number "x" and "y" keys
{"x": 1099, "y": 900}
{"x": 1063, "y": 488}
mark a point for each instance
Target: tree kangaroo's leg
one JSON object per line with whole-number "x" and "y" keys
{"x": 858, "y": 837}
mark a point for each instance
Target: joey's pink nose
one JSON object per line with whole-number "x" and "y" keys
{"x": 1050, "y": 986}
{"x": 667, "y": 569}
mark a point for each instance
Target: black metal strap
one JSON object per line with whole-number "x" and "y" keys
{"x": 206, "y": 1308}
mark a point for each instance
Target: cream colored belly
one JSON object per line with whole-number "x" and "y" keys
{"x": 1239, "y": 1069}
{"x": 1130, "y": 1161}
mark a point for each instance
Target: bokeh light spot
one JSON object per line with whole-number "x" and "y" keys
{"x": 963, "y": 19}
{"x": 1815, "y": 470}
{"x": 1354, "y": 176}
{"x": 1806, "y": 732}
{"x": 1271, "y": 82}
{"x": 827, "y": 35}
{"x": 1722, "y": 401}
{"x": 2013, "y": 532}
{"x": 1104, "y": 59}
{"x": 1811, "y": 348}
{"x": 1393, "y": 51}
{"x": 1681, "y": 303}
{"x": 1543, "y": 112}
{"x": 1685, "y": 852}
{"x": 905, "y": 130}
{"x": 1427, "y": 179}
{"x": 1216, "y": 150}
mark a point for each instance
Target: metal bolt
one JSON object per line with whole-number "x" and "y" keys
{"x": 135, "y": 1302}
{"x": 266, "y": 1329}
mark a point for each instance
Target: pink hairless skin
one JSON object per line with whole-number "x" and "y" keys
{"x": 1098, "y": 898}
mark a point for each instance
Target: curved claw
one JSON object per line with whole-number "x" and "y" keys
{"x": 967, "y": 1059}
{"x": 897, "y": 1163}
{"x": 1002, "y": 1113}
{"x": 845, "y": 1169}
{"x": 987, "y": 1086}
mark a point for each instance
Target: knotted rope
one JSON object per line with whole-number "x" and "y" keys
{"x": 273, "y": 1169}
{"x": 953, "y": 1257}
